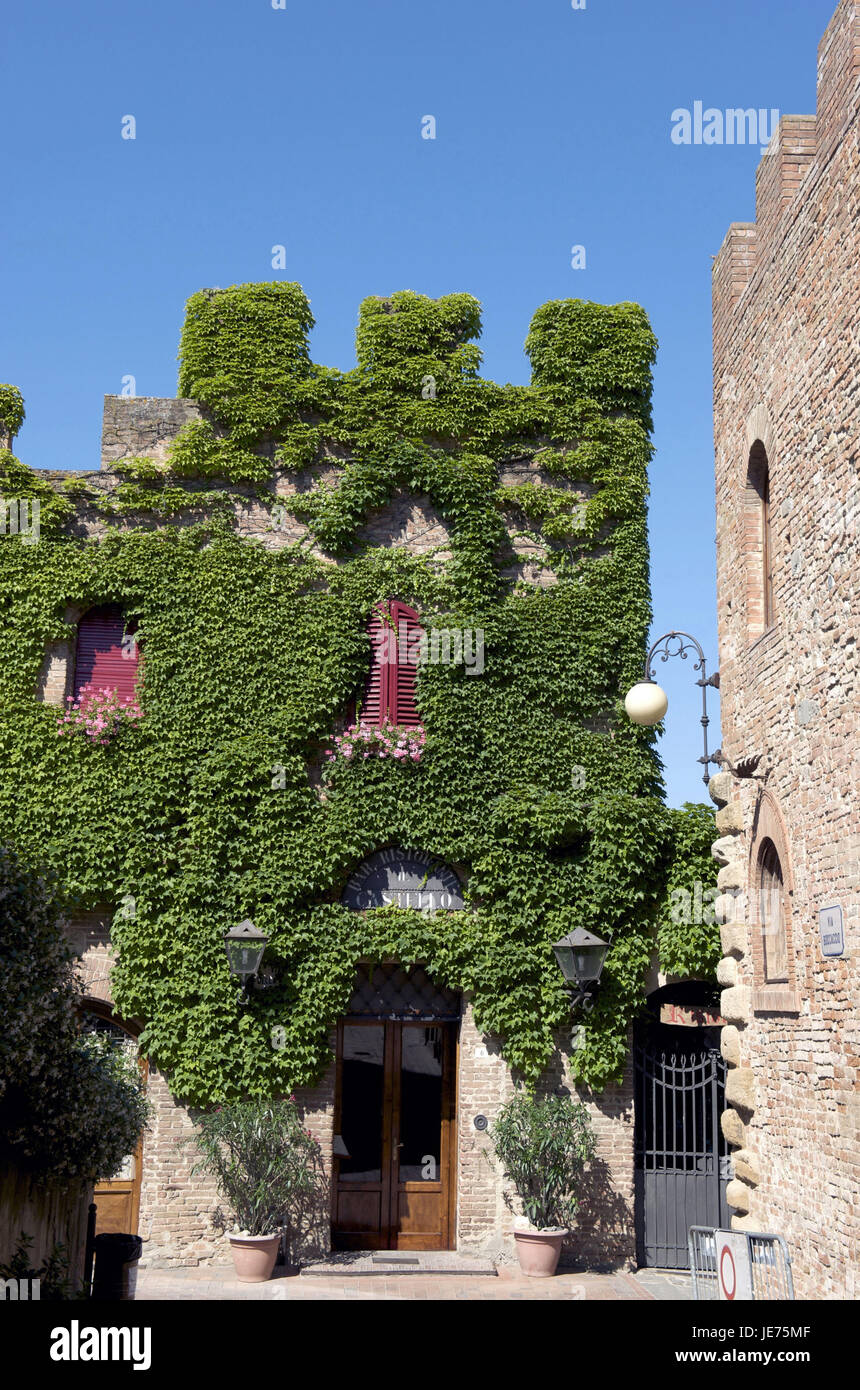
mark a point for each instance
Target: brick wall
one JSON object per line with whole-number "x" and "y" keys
{"x": 787, "y": 393}
{"x": 177, "y": 1207}
{"x": 146, "y": 426}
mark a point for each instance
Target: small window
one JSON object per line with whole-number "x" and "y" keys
{"x": 760, "y": 538}
{"x": 389, "y": 693}
{"x": 772, "y": 914}
{"x": 107, "y": 655}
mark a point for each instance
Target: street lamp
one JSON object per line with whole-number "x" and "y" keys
{"x": 646, "y": 703}
{"x": 245, "y": 945}
{"x": 580, "y": 956}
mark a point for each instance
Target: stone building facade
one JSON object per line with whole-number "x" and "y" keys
{"x": 176, "y": 1206}
{"x": 158, "y": 1193}
{"x": 787, "y": 441}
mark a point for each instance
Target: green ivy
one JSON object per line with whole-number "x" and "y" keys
{"x": 12, "y": 414}
{"x": 688, "y": 936}
{"x": 206, "y": 811}
{"x": 18, "y": 482}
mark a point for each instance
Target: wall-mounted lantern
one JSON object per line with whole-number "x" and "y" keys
{"x": 245, "y": 945}
{"x": 580, "y": 956}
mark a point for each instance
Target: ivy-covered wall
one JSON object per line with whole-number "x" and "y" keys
{"x": 205, "y": 811}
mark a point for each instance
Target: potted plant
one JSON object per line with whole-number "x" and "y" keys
{"x": 542, "y": 1147}
{"x": 263, "y": 1161}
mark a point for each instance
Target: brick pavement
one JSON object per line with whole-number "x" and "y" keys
{"x": 218, "y": 1282}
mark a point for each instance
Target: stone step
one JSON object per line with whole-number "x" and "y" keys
{"x": 425, "y": 1262}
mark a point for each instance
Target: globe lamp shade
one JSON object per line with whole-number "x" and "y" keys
{"x": 646, "y": 703}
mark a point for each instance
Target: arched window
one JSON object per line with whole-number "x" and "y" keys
{"x": 389, "y": 693}
{"x": 771, "y": 893}
{"x": 759, "y": 540}
{"x": 106, "y": 655}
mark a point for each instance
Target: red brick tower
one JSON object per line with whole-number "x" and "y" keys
{"x": 787, "y": 437}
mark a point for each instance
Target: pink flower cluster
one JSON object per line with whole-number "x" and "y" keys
{"x": 98, "y": 714}
{"x": 384, "y": 740}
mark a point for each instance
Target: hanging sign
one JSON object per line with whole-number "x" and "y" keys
{"x": 831, "y": 931}
{"x": 692, "y": 1016}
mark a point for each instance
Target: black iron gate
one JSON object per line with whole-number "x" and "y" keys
{"x": 681, "y": 1157}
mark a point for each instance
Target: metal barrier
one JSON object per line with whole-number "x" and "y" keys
{"x": 703, "y": 1262}
{"x": 770, "y": 1265}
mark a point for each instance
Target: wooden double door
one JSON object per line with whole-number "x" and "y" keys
{"x": 394, "y": 1178}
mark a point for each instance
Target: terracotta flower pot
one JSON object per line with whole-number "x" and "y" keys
{"x": 254, "y": 1257}
{"x": 538, "y": 1252}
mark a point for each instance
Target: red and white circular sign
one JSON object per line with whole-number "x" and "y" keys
{"x": 728, "y": 1273}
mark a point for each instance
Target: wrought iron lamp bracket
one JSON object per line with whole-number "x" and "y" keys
{"x": 681, "y": 644}
{"x": 583, "y": 999}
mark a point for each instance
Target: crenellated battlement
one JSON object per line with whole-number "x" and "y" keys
{"x": 797, "y": 156}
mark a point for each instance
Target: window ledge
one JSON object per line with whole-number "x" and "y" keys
{"x": 775, "y": 999}
{"x": 762, "y": 637}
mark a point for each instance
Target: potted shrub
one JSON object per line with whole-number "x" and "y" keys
{"x": 263, "y": 1162}
{"x": 542, "y": 1147}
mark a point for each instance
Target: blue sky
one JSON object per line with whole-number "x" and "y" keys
{"x": 301, "y": 127}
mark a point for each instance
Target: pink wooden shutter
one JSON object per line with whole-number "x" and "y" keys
{"x": 100, "y": 660}
{"x": 390, "y": 689}
{"x": 374, "y": 703}
{"x": 404, "y": 674}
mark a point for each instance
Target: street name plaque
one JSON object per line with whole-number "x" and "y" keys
{"x": 831, "y": 931}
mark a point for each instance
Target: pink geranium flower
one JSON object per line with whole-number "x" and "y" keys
{"x": 378, "y": 741}
{"x": 98, "y": 714}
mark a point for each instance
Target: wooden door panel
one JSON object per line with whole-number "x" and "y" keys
{"x": 115, "y": 1206}
{"x": 419, "y": 1219}
{"x": 359, "y": 1219}
{"x": 421, "y": 1075}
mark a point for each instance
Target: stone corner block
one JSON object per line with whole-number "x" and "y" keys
{"x": 743, "y": 1223}
{"x": 732, "y": 875}
{"x": 727, "y": 971}
{"x": 730, "y": 819}
{"x": 730, "y": 1044}
{"x": 720, "y": 788}
{"x": 740, "y": 1088}
{"x": 733, "y": 938}
{"x": 734, "y": 1130}
{"x": 746, "y": 1167}
{"x": 726, "y": 850}
{"x": 738, "y": 1195}
{"x": 735, "y": 1005}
